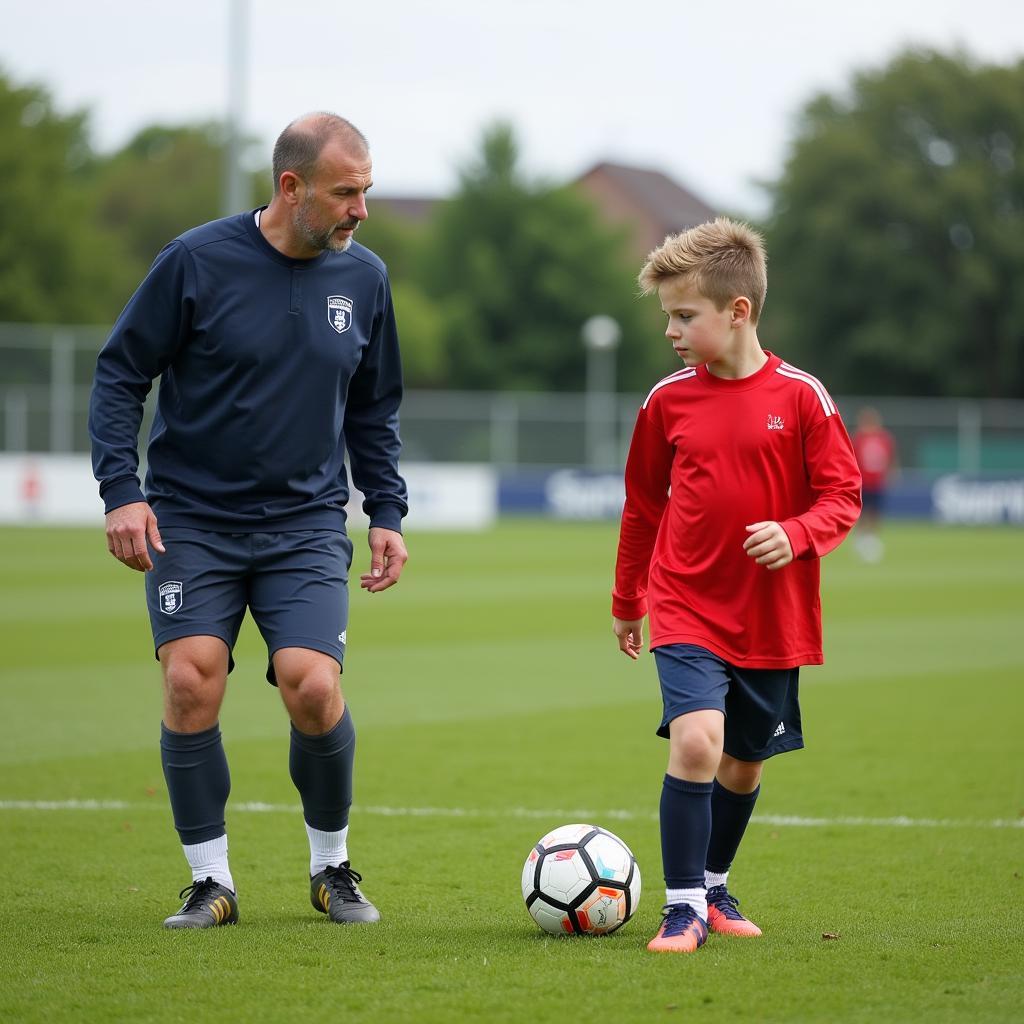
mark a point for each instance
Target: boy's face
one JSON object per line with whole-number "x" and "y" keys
{"x": 700, "y": 333}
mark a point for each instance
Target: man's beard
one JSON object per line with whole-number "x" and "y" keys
{"x": 322, "y": 239}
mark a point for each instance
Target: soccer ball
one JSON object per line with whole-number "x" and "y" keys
{"x": 581, "y": 880}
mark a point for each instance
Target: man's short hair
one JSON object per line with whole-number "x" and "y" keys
{"x": 299, "y": 146}
{"x": 722, "y": 258}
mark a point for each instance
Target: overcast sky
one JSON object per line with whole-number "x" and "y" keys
{"x": 706, "y": 92}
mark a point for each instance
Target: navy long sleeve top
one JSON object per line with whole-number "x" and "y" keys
{"x": 270, "y": 369}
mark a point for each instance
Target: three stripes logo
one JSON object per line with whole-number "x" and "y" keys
{"x": 324, "y": 896}
{"x": 220, "y": 908}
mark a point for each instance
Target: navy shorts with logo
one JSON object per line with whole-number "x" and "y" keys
{"x": 761, "y": 705}
{"x": 295, "y": 584}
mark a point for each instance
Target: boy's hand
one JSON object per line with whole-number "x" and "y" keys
{"x": 768, "y": 545}
{"x": 631, "y": 636}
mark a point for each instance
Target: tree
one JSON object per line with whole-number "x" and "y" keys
{"x": 897, "y": 232}
{"x": 518, "y": 267}
{"x": 421, "y": 321}
{"x": 56, "y": 263}
{"x": 167, "y": 179}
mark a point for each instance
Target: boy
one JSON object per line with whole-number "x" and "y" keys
{"x": 740, "y": 477}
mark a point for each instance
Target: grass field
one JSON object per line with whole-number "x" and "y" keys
{"x": 491, "y": 705}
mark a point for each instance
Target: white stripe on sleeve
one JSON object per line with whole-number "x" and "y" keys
{"x": 827, "y": 405}
{"x": 683, "y": 374}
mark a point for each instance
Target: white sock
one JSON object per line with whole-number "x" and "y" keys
{"x": 712, "y": 879}
{"x": 697, "y": 898}
{"x": 326, "y": 849}
{"x": 210, "y": 860}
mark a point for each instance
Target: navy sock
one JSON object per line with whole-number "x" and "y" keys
{"x": 321, "y": 768}
{"x": 730, "y": 813}
{"x": 198, "y": 782}
{"x": 685, "y": 828}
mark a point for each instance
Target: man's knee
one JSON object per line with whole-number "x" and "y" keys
{"x": 195, "y": 674}
{"x": 312, "y": 690}
{"x": 310, "y": 687}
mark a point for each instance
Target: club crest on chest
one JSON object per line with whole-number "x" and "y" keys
{"x": 339, "y": 312}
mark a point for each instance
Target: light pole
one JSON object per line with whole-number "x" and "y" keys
{"x": 236, "y": 196}
{"x": 601, "y": 335}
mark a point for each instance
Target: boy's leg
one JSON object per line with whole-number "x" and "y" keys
{"x": 695, "y": 743}
{"x": 693, "y": 684}
{"x": 762, "y": 719}
{"x": 735, "y": 792}
{"x": 736, "y": 789}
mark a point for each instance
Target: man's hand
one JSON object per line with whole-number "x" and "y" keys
{"x": 128, "y": 529}
{"x": 631, "y": 636}
{"x": 768, "y": 545}
{"x": 387, "y": 557}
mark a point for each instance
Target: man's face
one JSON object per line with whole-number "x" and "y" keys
{"x": 334, "y": 200}
{"x": 700, "y": 333}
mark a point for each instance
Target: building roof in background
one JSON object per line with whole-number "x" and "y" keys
{"x": 664, "y": 200}
{"x": 648, "y": 203}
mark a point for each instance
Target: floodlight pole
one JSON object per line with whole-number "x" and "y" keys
{"x": 600, "y": 338}
{"x": 235, "y": 193}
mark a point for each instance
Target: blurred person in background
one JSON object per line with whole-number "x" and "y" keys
{"x": 875, "y": 449}
{"x": 274, "y": 338}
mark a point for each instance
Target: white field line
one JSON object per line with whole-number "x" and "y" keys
{"x": 576, "y": 814}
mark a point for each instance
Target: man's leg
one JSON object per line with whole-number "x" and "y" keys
{"x": 321, "y": 760}
{"x": 195, "y": 670}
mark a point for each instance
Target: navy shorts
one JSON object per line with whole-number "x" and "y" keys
{"x": 295, "y": 584}
{"x": 761, "y": 705}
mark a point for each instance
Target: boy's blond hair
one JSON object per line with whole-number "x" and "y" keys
{"x": 722, "y": 258}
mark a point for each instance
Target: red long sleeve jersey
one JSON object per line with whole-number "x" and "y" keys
{"x": 708, "y": 457}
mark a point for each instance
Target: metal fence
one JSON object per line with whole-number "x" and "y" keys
{"x": 45, "y": 375}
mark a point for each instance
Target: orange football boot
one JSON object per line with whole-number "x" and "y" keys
{"x": 681, "y": 931}
{"x": 724, "y": 918}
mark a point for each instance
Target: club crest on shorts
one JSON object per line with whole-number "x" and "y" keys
{"x": 339, "y": 312}
{"x": 170, "y": 596}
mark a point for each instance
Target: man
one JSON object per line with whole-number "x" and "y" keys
{"x": 274, "y": 338}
